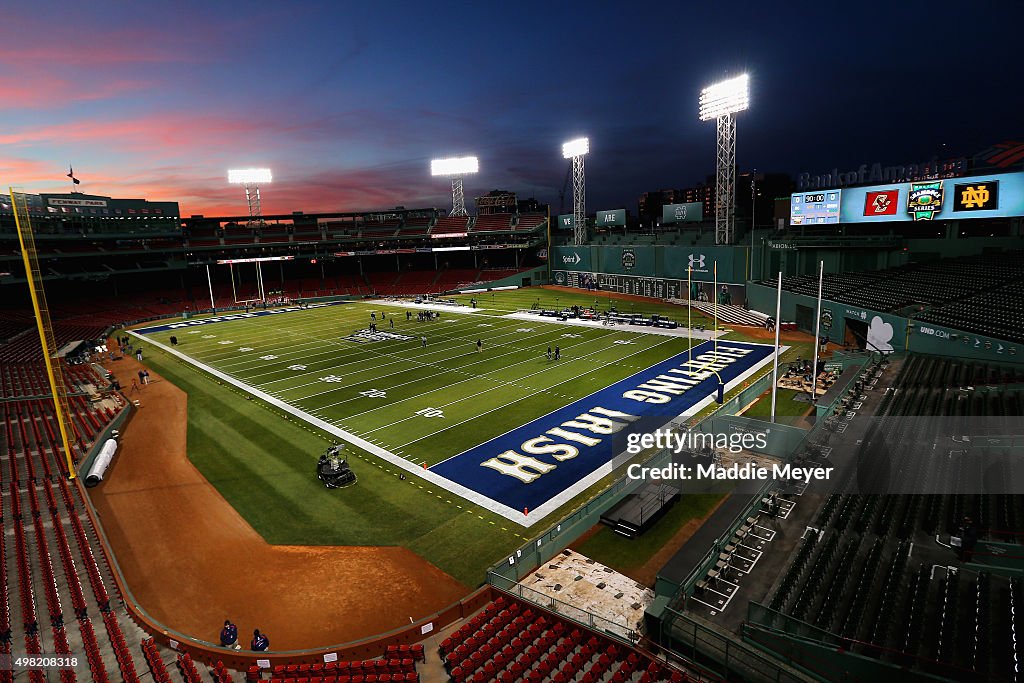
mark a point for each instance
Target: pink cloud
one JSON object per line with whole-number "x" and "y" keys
{"x": 142, "y": 133}
{"x": 34, "y": 41}
{"x": 51, "y": 91}
{"x": 24, "y": 172}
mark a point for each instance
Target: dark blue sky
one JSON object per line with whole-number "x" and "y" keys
{"x": 347, "y": 101}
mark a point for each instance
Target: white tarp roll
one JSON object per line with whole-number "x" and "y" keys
{"x": 101, "y": 463}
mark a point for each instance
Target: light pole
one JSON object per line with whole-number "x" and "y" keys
{"x": 722, "y": 102}
{"x": 576, "y": 150}
{"x": 455, "y": 168}
{"x": 251, "y": 178}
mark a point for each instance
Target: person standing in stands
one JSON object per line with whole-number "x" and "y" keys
{"x": 968, "y": 539}
{"x": 229, "y": 635}
{"x": 260, "y": 643}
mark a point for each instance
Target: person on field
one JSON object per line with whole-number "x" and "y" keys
{"x": 549, "y": 353}
{"x": 558, "y": 352}
{"x": 424, "y": 341}
{"x": 391, "y": 321}
{"x": 479, "y": 345}
{"x": 260, "y": 643}
{"x": 229, "y": 635}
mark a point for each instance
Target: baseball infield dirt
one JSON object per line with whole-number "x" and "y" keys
{"x": 192, "y": 561}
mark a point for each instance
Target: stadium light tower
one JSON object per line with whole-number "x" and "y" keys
{"x": 721, "y": 102}
{"x": 251, "y": 179}
{"x": 576, "y": 150}
{"x": 455, "y": 168}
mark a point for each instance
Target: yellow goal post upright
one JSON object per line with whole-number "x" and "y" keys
{"x": 41, "y": 312}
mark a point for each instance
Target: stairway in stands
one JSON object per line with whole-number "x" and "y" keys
{"x": 729, "y": 314}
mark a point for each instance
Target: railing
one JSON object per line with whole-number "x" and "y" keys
{"x": 765, "y": 619}
{"x": 725, "y": 655}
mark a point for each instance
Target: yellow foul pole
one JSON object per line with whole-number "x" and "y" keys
{"x": 42, "y": 316}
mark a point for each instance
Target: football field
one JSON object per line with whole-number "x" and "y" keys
{"x": 421, "y": 395}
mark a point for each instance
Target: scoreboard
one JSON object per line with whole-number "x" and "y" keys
{"x": 815, "y": 208}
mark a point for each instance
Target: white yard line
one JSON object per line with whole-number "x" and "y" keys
{"x": 412, "y": 360}
{"x": 285, "y": 355}
{"x": 521, "y": 398}
{"x": 495, "y": 386}
{"x": 461, "y": 371}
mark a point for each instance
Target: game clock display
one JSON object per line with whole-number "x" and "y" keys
{"x": 815, "y": 208}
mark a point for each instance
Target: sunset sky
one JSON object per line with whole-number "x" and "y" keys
{"x": 348, "y": 101}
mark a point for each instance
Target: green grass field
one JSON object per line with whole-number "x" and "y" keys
{"x": 786, "y": 405}
{"x": 388, "y": 392}
{"x": 263, "y": 460}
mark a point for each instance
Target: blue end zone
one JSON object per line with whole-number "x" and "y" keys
{"x": 185, "y": 324}
{"x": 466, "y": 468}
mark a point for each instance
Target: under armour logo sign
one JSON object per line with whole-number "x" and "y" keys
{"x": 696, "y": 260}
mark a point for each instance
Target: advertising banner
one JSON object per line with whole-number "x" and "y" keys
{"x": 690, "y": 212}
{"x": 614, "y": 218}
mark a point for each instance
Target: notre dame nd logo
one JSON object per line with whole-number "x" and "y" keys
{"x": 628, "y": 259}
{"x": 983, "y": 196}
{"x": 925, "y": 200}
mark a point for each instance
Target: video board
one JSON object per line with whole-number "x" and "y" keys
{"x": 815, "y": 208}
{"x": 988, "y": 196}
